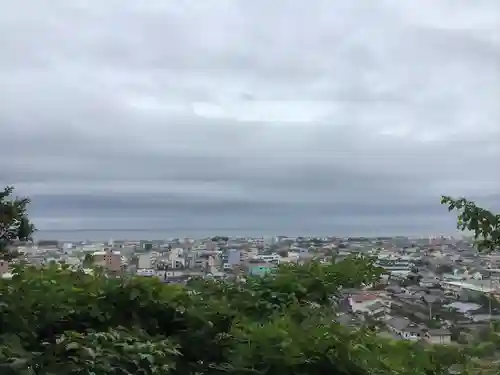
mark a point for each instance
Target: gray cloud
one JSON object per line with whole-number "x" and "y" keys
{"x": 320, "y": 116}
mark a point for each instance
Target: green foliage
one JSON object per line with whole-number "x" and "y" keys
{"x": 88, "y": 260}
{"x": 73, "y": 323}
{"x": 484, "y": 224}
{"x": 116, "y": 351}
{"x": 70, "y": 320}
{"x": 14, "y": 222}
{"x": 291, "y": 286}
{"x": 220, "y": 239}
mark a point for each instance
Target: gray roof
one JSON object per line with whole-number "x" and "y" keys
{"x": 439, "y": 332}
{"x": 403, "y": 324}
{"x": 346, "y": 320}
{"x": 375, "y": 306}
{"x": 394, "y": 288}
{"x": 421, "y": 315}
{"x": 398, "y": 323}
{"x": 429, "y": 298}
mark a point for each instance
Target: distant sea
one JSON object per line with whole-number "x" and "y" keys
{"x": 160, "y": 234}
{"x": 138, "y": 234}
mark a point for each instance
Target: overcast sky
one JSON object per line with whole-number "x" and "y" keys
{"x": 334, "y": 116}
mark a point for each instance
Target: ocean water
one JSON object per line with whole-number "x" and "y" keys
{"x": 138, "y": 234}
{"x": 164, "y": 234}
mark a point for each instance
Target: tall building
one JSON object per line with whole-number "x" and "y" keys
{"x": 234, "y": 257}
{"x": 108, "y": 259}
{"x": 144, "y": 261}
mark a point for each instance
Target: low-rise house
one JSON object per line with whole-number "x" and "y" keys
{"x": 371, "y": 304}
{"x": 149, "y": 272}
{"x": 405, "y": 328}
{"x": 409, "y": 330}
{"x": 377, "y": 309}
{"x": 438, "y": 336}
{"x": 428, "y": 282}
{"x": 348, "y": 320}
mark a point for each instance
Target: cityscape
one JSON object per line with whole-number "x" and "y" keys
{"x": 428, "y": 284}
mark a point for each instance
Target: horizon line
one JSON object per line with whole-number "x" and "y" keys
{"x": 221, "y": 232}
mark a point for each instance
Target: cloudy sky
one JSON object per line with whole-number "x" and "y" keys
{"x": 324, "y": 116}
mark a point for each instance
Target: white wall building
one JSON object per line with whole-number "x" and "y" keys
{"x": 144, "y": 261}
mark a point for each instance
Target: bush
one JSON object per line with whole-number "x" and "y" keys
{"x": 57, "y": 321}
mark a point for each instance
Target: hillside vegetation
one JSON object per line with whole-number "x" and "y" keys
{"x": 61, "y": 322}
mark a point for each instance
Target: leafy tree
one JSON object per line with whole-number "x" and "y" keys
{"x": 484, "y": 224}
{"x": 279, "y": 324}
{"x": 70, "y": 321}
{"x": 14, "y": 222}
{"x": 220, "y": 239}
{"x": 88, "y": 260}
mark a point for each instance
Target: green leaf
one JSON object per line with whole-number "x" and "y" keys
{"x": 72, "y": 346}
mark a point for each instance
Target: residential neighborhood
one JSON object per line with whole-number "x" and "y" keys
{"x": 439, "y": 290}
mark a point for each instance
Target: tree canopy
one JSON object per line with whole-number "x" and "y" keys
{"x": 484, "y": 224}
{"x": 69, "y": 322}
{"x": 14, "y": 222}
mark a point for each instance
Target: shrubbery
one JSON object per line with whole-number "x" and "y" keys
{"x": 57, "y": 321}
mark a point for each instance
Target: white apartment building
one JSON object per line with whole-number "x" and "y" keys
{"x": 144, "y": 261}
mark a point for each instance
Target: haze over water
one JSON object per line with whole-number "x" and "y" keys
{"x": 157, "y": 234}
